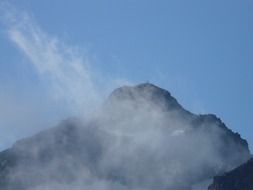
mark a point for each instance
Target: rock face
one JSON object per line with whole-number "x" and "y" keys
{"x": 241, "y": 178}
{"x": 141, "y": 138}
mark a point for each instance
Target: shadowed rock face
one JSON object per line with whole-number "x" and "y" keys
{"x": 141, "y": 138}
{"x": 241, "y": 178}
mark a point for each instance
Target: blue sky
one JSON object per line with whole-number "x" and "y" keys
{"x": 201, "y": 51}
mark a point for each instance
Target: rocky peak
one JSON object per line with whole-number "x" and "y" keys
{"x": 146, "y": 93}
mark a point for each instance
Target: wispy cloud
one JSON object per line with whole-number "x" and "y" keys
{"x": 64, "y": 67}
{"x": 72, "y": 83}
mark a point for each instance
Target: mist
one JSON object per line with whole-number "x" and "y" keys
{"x": 135, "y": 139}
{"x": 140, "y": 138}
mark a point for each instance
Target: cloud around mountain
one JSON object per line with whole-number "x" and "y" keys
{"x": 140, "y": 138}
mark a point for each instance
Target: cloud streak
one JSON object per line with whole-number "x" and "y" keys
{"x": 68, "y": 77}
{"x": 65, "y": 68}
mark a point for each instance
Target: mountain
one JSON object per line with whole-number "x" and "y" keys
{"x": 241, "y": 178}
{"x": 140, "y": 138}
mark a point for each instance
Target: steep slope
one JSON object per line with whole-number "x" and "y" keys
{"x": 141, "y": 138}
{"x": 240, "y": 178}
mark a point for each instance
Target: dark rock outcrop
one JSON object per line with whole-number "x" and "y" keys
{"x": 241, "y": 178}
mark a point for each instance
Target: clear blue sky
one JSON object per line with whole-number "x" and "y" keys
{"x": 201, "y": 51}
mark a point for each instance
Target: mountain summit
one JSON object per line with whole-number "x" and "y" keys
{"x": 146, "y": 91}
{"x": 140, "y": 138}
